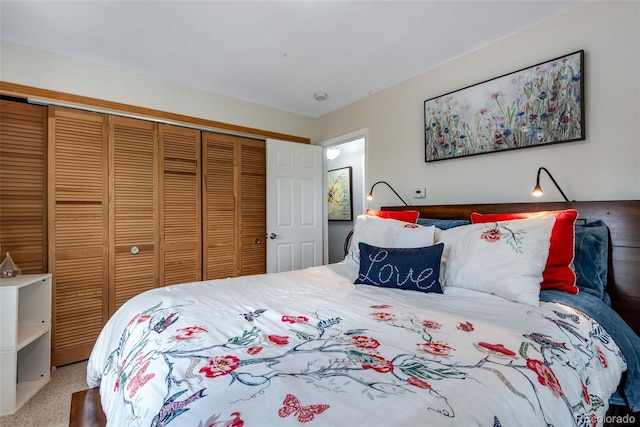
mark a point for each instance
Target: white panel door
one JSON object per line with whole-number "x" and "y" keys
{"x": 294, "y": 206}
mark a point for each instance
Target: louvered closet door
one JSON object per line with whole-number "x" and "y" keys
{"x": 219, "y": 202}
{"x": 252, "y": 206}
{"x": 181, "y": 248}
{"x": 22, "y": 185}
{"x": 78, "y": 230}
{"x": 134, "y": 224}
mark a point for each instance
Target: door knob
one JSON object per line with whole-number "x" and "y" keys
{"x": 272, "y": 235}
{"x": 257, "y": 241}
{"x": 134, "y": 250}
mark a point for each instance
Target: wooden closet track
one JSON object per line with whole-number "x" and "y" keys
{"x": 110, "y": 107}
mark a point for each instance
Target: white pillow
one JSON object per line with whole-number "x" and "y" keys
{"x": 503, "y": 258}
{"x": 408, "y": 235}
{"x": 387, "y": 233}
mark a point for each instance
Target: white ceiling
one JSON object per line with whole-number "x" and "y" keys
{"x": 274, "y": 53}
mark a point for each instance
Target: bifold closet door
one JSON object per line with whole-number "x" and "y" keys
{"x": 22, "y": 185}
{"x": 78, "y": 230}
{"x": 219, "y": 203}
{"x": 181, "y": 208}
{"x": 133, "y": 214}
{"x": 252, "y": 171}
{"x": 234, "y": 202}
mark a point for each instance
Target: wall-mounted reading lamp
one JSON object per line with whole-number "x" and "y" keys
{"x": 370, "y": 195}
{"x": 537, "y": 190}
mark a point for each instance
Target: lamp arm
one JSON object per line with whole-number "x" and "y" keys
{"x": 566, "y": 199}
{"x": 390, "y": 187}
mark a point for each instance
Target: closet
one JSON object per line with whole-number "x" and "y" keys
{"x": 22, "y": 185}
{"x": 134, "y": 226}
{"x": 126, "y": 198}
{"x": 181, "y": 213}
{"x": 78, "y": 205}
{"x": 154, "y": 218}
{"x": 234, "y": 200}
{"x": 113, "y": 206}
{"x": 252, "y": 171}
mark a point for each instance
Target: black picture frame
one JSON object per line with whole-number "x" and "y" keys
{"x": 537, "y": 105}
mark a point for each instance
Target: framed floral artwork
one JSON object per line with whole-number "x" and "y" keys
{"x": 539, "y": 105}
{"x": 339, "y": 197}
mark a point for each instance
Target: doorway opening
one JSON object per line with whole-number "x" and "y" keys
{"x": 342, "y": 152}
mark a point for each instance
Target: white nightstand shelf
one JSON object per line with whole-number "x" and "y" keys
{"x": 25, "y": 339}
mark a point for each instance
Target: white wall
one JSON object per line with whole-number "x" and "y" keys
{"x": 43, "y": 70}
{"x": 606, "y": 166}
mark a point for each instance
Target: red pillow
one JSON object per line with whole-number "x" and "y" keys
{"x": 558, "y": 273}
{"x": 406, "y": 216}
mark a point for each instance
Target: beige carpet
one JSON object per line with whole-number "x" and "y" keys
{"x": 50, "y": 406}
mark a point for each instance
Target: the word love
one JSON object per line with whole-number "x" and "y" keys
{"x": 381, "y": 272}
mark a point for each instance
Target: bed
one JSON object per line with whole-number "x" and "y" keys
{"x": 403, "y": 346}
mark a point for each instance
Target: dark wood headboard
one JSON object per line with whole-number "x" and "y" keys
{"x": 623, "y": 220}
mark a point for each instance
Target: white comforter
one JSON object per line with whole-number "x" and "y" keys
{"x": 309, "y": 346}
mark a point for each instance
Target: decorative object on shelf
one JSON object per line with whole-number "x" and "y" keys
{"x": 537, "y": 190}
{"x": 539, "y": 105}
{"x": 8, "y": 268}
{"x": 370, "y": 195}
{"x": 339, "y": 197}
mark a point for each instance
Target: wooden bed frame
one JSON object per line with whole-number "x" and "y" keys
{"x": 86, "y": 409}
{"x": 622, "y": 218}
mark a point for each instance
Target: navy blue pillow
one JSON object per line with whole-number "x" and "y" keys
{"x": 415, "y": 269}
{"x": 443, "y": 224}
{"x": 590, "y": 259}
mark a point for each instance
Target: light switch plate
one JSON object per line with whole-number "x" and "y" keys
{"x": 419, "y": 193}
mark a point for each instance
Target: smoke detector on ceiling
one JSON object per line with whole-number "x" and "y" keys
{"x": 320, "y": 96}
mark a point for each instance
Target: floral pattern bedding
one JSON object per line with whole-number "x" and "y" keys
{"x": 311, "y": 347}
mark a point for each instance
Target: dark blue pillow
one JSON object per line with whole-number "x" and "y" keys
{"x": 443, "y": 224}
{"x": 415, "y": 269}
{"x": 590, "y": 259}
